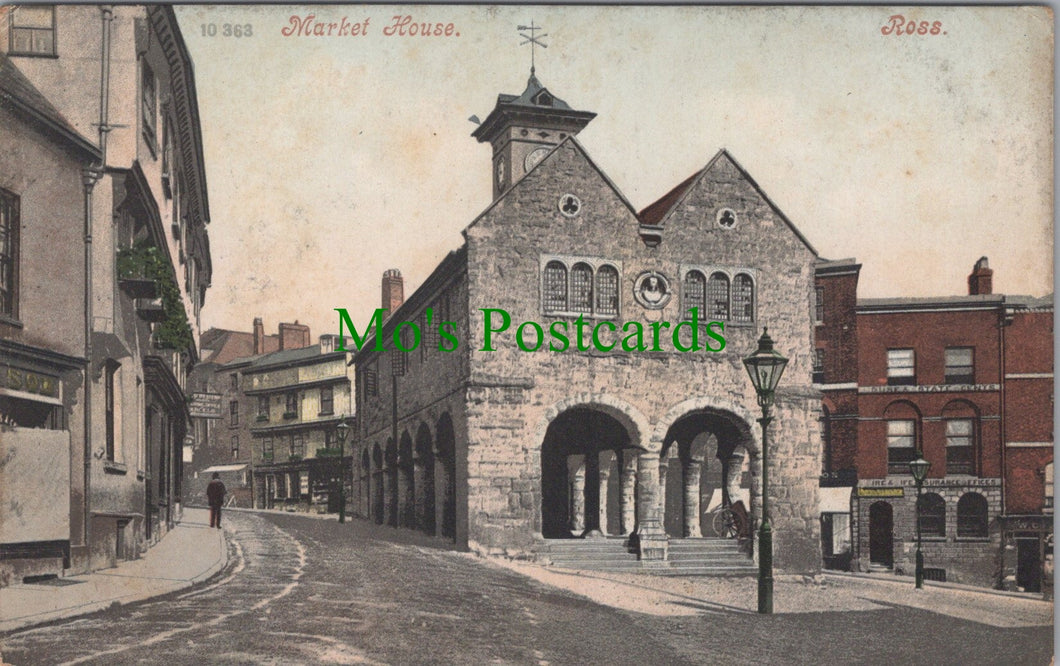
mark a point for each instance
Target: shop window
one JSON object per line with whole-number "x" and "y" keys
{"x": 9, "y": 249}
{"x": 327, "y": 400}
{"x": 972, "y": 516}
{"x": 960, "y": 366}
{"x": 960, "y": 446}
{"x": 32, "y": 30}
{"x": 901, "y": 445}
{"x": 901, "y": 367}
{"x": 931, "y": 515}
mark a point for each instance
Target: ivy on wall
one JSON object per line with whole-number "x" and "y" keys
{"x": 144, "y": 261}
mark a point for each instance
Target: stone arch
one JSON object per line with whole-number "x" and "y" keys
{"x": 445, "y": 479}
{"x": 623, "y": 412}
{"x": 586, "y": 481}
{"x": 701, "y": 469}
{"x": 424, "y": 479}
{"x": 707, "y": 403}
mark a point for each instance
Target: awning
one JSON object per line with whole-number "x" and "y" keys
{"x": 834, "y": 500}
{"x": 223, "y": 468}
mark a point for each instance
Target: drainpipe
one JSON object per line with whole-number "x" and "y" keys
{"x": 89, "y": 179}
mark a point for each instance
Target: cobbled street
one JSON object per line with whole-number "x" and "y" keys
{"x": 299, "y": 590}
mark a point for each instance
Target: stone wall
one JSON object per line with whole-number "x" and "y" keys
{"x": 515, "y": 394}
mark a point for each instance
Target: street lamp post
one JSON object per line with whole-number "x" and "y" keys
{"x": 919, "y": 469}
{"x": 765, "y": 366}
{"x": 342, "y": 431}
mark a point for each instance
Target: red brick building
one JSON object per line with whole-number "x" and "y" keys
{"x": 964, "y": 381}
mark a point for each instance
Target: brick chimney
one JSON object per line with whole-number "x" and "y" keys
{"x": 981, "y": 281}
{"x": 294, "y": 336}
{"x": 259, "y": 336}
{"x": 393, "y": 290}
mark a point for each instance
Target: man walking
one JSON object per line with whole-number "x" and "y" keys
{"x": 215, "y": 495}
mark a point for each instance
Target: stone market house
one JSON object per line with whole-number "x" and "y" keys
{"x": 509, "y": 450}
{"x": 144, "y": 262}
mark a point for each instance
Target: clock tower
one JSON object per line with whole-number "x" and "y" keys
{"x": 523, "y": 128}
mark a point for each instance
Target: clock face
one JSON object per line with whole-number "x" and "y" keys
{"x": 500, "y": 172}
{"x": 534, "y": 157}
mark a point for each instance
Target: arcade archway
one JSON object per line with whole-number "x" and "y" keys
{"x": 588, "y": 475}
{"x": 703, "y": 466}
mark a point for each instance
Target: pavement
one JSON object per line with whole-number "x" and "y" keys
{"x": 832, "y": 592}
{"x": 188, "y": 554}
{"x": 360, "y": 593}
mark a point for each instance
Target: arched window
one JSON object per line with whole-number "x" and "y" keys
{"x": 972, "y": 519}
{"x": 607, "y": 291}
{"x": 694, "y": 293}
{"x": 743, "y": 298}
{"x": 718, "y": 296}
{"x": 931, "y": 514}
{"x": 555, "y": 287}
{"x": 581, "y": 288}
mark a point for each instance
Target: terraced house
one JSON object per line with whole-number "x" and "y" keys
{"x": 103, "y": 242}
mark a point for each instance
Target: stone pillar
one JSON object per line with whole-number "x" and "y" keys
{"x": 603, "y": 476}
{"x": 402, "y": 496}
{"x": 387, "y": 504}
{"x": 419, "y": 501}
{"x": 628, "y": 499}
{"x": 692, "y": 469}
{"x": 577, "y": 497}
{"x": 651, "y": 536}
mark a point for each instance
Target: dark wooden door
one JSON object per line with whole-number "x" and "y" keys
{"x": 881, "y": 534}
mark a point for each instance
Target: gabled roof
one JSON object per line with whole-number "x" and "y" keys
{"x": 581, "y": 150}
{"x": 656, "y": 214}
{"x": 20, "y": 96}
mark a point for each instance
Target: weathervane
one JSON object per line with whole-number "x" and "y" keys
{"x": 531, "y": 39}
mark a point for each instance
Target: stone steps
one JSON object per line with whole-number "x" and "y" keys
{"x": 706, "y": 556}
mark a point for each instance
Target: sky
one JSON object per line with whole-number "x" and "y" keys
{"x": 330, "y": 159}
